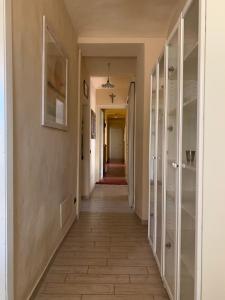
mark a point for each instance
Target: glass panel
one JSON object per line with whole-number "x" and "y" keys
{"x": 152, "y": 157}
{"x": 171, "y": 173}
{"x": 189, "y": 138}
{"x": 160, "y": 160}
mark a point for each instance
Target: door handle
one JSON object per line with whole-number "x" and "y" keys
{"x": 168, "y": 245}
{"x": 175, "y": 165}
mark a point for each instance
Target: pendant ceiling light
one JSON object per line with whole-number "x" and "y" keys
{"x": 108, "y": 84}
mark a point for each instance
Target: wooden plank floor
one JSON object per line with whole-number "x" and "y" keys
{"x": 105, "y": 256}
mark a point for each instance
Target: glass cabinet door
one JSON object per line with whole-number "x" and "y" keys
{"x": 153, "y": 158}
{"x": 160, "y": 154}
{"x": 171, "y": 162}
{"x": 189, "y": 140}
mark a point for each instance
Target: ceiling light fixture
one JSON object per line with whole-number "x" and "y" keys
{"x": 108, "y": 84}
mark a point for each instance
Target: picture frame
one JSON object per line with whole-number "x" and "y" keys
{"x": 54, "y": 81}
{"x": 93, "y": 125}
{"x": 85, "y": 89}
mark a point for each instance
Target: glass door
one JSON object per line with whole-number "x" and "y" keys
{"x": 160, "y": 154}
{"x": 171, "y": 162}
{"x": 153, "y": 157}
{"x": 189, "y": 153}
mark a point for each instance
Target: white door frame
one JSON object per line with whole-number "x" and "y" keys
{"x": 101, "y": 140}
{"x": 6, "y": 150}
{"x": 99, "y": 145}
{"x": 78, "y": 135}
{"x": 131, "y": 144}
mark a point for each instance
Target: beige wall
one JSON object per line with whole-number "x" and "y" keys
{"x": 146, "y": 52}
{"x": 151, "y": 50}
{"x": 3, "y": 191}
{"x": 103, "y": 96}
{"x": 120, "y": 66}
{"x": 44, "y": 159}
{"x": 85, "y": 113}
{"x": 139, "y": 131}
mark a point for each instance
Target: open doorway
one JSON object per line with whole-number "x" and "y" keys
{"x": 113, "y": 146}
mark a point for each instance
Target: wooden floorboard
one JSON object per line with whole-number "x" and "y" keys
{"x": 105, "y": 256}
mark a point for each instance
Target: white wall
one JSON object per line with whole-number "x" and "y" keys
{"x": 116, "y": 134}
{"x": 213, "y": 238}
{"x": 2, "y": 159}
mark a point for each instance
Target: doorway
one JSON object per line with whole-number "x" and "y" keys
{"x": 113, "y": 146}
{"x": 116, "y": 129}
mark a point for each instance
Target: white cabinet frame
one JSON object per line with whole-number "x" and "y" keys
{"x": 6, "y": 198}
{"x": 199, "y": 158}
{"x": 200, "y": 140}
{"x": 176, "y": 29}
{"x": 153, "y": 243}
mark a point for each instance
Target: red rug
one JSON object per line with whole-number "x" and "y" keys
{"x": 114, "y": 174}
{"x": 113, "y": 181}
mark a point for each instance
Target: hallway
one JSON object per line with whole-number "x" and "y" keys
{"x": 105, "y": 255}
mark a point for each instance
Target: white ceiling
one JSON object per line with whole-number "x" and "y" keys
{"x": 121, "y": 18}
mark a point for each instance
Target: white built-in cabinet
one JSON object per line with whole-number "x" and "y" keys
{"x": 174, "y": 158}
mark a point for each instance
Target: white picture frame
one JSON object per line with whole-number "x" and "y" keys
{"x": 54, "y": 82}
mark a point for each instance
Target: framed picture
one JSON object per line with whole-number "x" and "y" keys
{"x": 93, "y": 125}
{"x": 85, "y": 89}
{"x": 54, "y": 81}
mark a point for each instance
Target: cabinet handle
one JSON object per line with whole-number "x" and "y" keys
{"x": 168, "y": 245}
{"x": 153, "y": 157}
{"x": 171, "y": 69}
{"x": 151, "y": 215}
{"x": 175, "y": 165}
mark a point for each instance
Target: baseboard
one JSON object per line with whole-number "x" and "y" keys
{"x": 36, "y": 287}
{"x": 143, "y": 222}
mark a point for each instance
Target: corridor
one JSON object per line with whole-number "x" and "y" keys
{"x": 105, "y": 255}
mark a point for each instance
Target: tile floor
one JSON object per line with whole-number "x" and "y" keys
{"x": 105, "y": 256}
{"x": 107, "y": 198}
